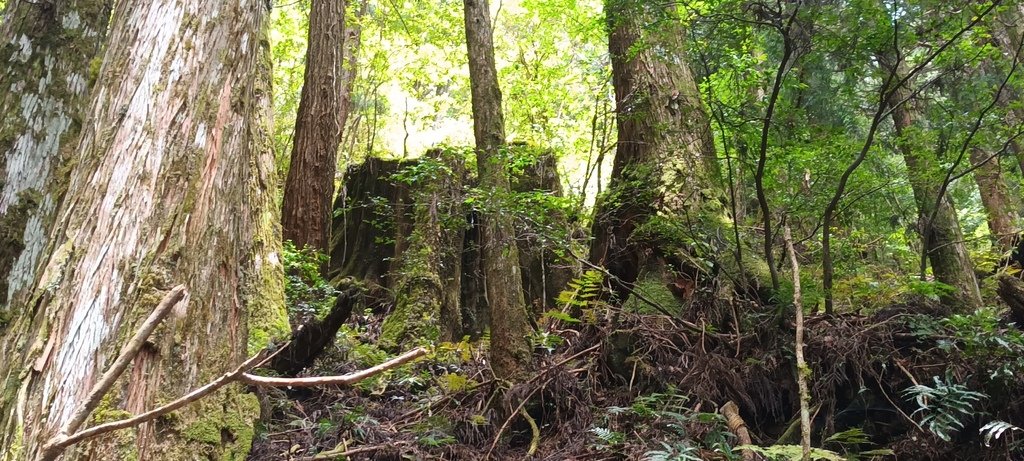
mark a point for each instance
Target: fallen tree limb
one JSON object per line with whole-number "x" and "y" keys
{"x": 128, "y": 353}
{"x": 56, "y": 445}
{"x": 731, "y": 412}
{"x": 343, "y": 380}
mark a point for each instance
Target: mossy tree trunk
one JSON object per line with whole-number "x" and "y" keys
{"x": 49, "y": 54}
{"x": 173, "y": 183}
{"x": 510, "y": 347}
{"x": 665, "y": 159}
{"x": 309, "y": 189}
{"x": 942, "y": 238}
{"x": 546, "y": 271}
{"x": 427, "y": 296}
{"x": 1001, "y": 208}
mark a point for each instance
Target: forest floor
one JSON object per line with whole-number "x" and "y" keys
{"x": 658, "y": 388}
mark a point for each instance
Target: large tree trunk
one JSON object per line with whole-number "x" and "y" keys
{"x": 173, "y": 183}
{"x": 510, "y": 348}
{"x": 47, "y": 49}
{"x": 940, "y": 229}
{"x": 664, "y": 159}
{"x": 427, "y": 296}
{"x": 306, "y": 210}
{"x": 1000, "y": 207}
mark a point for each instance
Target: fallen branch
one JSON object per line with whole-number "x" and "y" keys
{"x": 128, "y": 353}
{"x": 56, "y": 445}
{"x": 342, "y": 452}
{"x": 343, "y": 380}
{"x": 731, "y": 412}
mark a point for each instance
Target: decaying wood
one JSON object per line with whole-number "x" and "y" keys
{"x": 544, "y": 273}
{"x": 311, "y": 338}
{"x": 731, "y": 412}
{"x": 1011, "y": 290}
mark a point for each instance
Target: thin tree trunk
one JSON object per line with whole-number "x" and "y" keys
{"x": 942, "y": 238}
{"x": 665, "y": 158}
{"x": 49, "y": 54}
{"x": 510, "y": 347}
{"x": 173, "y": 184}
{"x": 309, "y": 189}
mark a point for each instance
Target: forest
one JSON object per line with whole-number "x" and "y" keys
{"x": 512, "y": 229}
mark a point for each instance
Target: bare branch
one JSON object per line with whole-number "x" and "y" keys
{"x": 128, "y": 353}
{"x": 343, "y": 380}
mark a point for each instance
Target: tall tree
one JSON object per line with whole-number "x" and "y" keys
{"x": 510, "y": 349}
{"x": 1008, "y": 33}
{"x": 48, "y": 49}
{"x": 941, "y": 236}
{"x": 1001, "y": 208}
{"x": 173, "y": 183}
{"x": 665, "y": 156}
{"x": 309, "y": 189}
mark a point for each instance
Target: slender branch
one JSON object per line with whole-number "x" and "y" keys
{"x": 344, "y": 380}
{"x": 56, "y": 445}
{"x": 517, "y": 411}
{"x": 801, "y": 365}
{"x": 128, "y": 353}
{"x": 762, "y": 157}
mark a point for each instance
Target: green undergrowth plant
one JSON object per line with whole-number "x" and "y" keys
{"x": 995, "y": 347}
{"x": 665, "y": 427}
{"x": 307, "y": 293}
{"x": 944, "y": 406}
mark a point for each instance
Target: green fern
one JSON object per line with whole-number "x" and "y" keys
{"x": 677, "y": 452}
{"x": 944, "y": 406}
{"x": 995, "y": 429}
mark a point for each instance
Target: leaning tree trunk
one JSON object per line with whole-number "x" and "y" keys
{"x": 940, "y": 229}
{"x": 664, "y": 158}
{"x": 173, "y": 183}
{"x": 306, "y": 210}
{"x": 510, "y": 348}
{"x": 47, "y": 50}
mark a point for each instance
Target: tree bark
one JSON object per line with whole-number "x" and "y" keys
{"x": 427, "y": 296}
{"x": 173, "y": 183}
{"x": 1000, "y": 207}
{"x": 510, "y": 347}
{"x": 49, "y": 51}
{"x": 665, "y": 157}
{"x": 1007, "y": 34}
{"x": 545, "y": 274}
{"x": 942, "y": 238}
{"x": 309, "y": 189}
